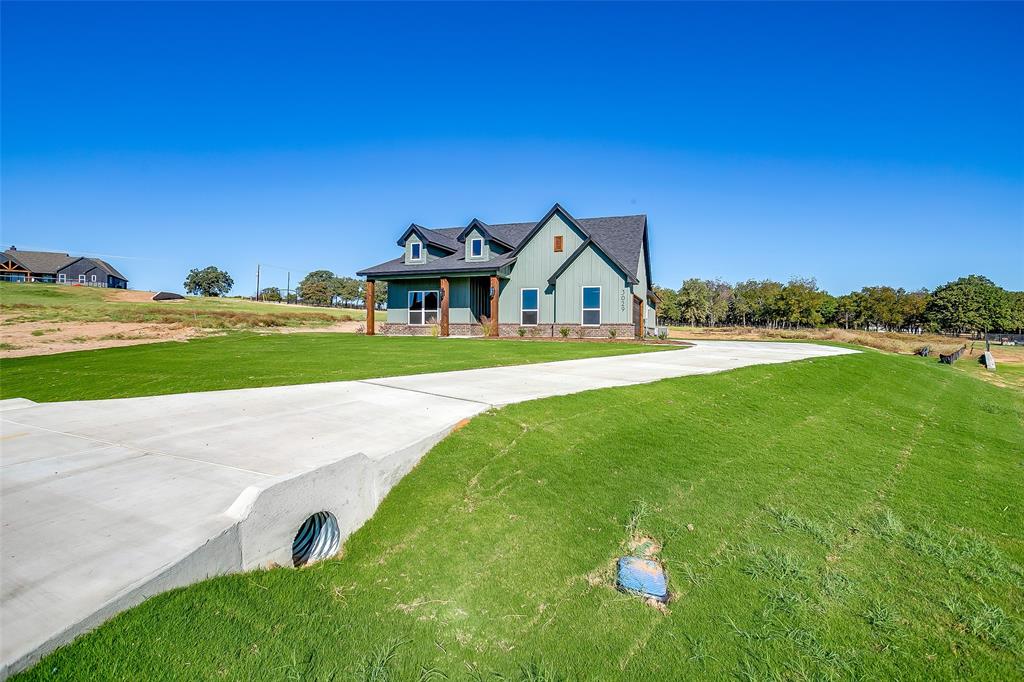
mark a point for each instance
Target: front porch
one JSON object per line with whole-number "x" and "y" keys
{"x": 460, "y": 306}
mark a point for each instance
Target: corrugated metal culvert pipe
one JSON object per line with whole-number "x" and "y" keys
{"x": 318, "y": 538}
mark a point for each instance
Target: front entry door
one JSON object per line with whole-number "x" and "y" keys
{"x": 638, "y": 317}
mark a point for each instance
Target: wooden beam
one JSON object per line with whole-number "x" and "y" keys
{"x": 444, "y": 306}
{"x": 369, "y": 307}
{"x": 494, "y": 305}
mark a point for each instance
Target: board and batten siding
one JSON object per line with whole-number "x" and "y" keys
{"x": 534, "y": 264}
{"x": 458, "y": 303}
{"x": 593, "y": 268}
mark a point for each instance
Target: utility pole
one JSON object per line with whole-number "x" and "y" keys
{"x": 257, "y": 282}
{"x": 288, "y": 289}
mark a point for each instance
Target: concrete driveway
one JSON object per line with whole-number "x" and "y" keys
{"x": 107, "y": 502}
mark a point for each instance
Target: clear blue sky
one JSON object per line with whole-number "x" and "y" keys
{"x": 857, "y": 143}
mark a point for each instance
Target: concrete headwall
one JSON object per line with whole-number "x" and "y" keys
{"x": 259, "y": 528}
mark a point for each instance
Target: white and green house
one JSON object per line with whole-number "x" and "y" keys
{"x": 591, "y": 276}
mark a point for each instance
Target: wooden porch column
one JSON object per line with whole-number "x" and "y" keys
{"x": 444, "y": 306}
{"x": 494, "y": 306}
{"x": 369, "y": 307}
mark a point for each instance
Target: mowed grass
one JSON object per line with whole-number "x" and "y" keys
{"x": 35, "y": 302}
{"x": 245, "y": 360}
{"x": 855, "y": 517}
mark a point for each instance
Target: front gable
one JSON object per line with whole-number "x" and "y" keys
{"x": 476, "y": 237}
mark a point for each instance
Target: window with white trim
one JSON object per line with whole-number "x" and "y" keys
{"x": 94, "y": 278}
{"x": 81, "y": 279}
{"x": 529, "y": 307}
{"x": 416, "y": 251}
{"x": 476, "y": 247}
{"x": 62, "y": 277}
{"x": 591, "y": 306}
{"x": 423, "y": 307}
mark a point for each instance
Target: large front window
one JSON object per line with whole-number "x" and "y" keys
{"x": 592, "y": 306}
{"x": 423, "y": 307}
{"x": 530, "y": 306}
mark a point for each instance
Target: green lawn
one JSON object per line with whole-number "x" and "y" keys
{"x": 852, "y": 517}
{"x": 34, "y": 302}
{"x": 242, "y": 360}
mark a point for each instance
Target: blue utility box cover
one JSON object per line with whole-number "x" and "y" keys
{"x": 642, "y": 576}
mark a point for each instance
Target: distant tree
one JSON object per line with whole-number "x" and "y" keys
{"x": 347, "y": 289}
{"x": 668, "y": 305}
{"x": 1013, "y": 318}
{"x": 719, "y": 297}
{"x": 272, "y": 294}
{"x": 847, "y": 311}
{"x": 210, "y": 281}
{"x": 324, "y": 285}
{"x": 694, "y": 300}
{"x": 801, "y": 301}
{"x": 913, "y": 307}
{"x": 380, "y": 293}
{"x": 972, "y": 304}
{"x": 744, "y": 297}
{"x": 317, "y": 293}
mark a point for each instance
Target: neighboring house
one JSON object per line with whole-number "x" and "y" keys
{"x": 589, "y": 275}
{"x": 59, "y": 268}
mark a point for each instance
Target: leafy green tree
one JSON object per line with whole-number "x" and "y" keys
{"x": 1013, "y": 318}
{"x": 847, "y": 311}
{"x": 317, "y": 293}
{"x": 744, "y": 301}
{"x": 972, "y": 304}
{"x": 668, "y": 306}
{"x": 347, "y": 289}
{"x": 719, "y": 297}
{"x": 272, "y": 294}
{"x": 325, "y": 287}
{"x": 210, "y": 281}
{"x": 694, "y": 299}
{"x": 800, "y": 302}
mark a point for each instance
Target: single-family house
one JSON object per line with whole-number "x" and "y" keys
{"x": 588, "y": 275}
{"x": 58, "y": 268}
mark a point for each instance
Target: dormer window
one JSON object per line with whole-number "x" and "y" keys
{"x": 415, "y": 251}
{"x": 476, "y": 247}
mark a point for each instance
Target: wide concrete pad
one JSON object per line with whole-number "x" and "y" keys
{"x": 99, "y": 499}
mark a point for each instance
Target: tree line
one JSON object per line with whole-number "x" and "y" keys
{"x": 324, "y": 288}
{"x": 972, "y": 304}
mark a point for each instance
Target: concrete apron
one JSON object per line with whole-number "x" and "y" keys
{"x": 106, "y": 503}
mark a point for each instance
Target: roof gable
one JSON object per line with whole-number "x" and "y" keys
{"x": 603, "y": 233}
{"x": 40, "y": 262}
{"x": 621, "y": 239}
{"x": 486, "y": 230}
{"x": 430, "y": 237}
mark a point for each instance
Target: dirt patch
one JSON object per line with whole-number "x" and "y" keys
{"x": 128, "y": 296}
{"x": 892, "y": 342}
{"x": 46, "y": 338}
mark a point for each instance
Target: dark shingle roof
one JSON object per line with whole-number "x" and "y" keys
{"x": 620, "y": 237}
{"x": 110, "y": 270}
{"x": 40, "y": 262}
